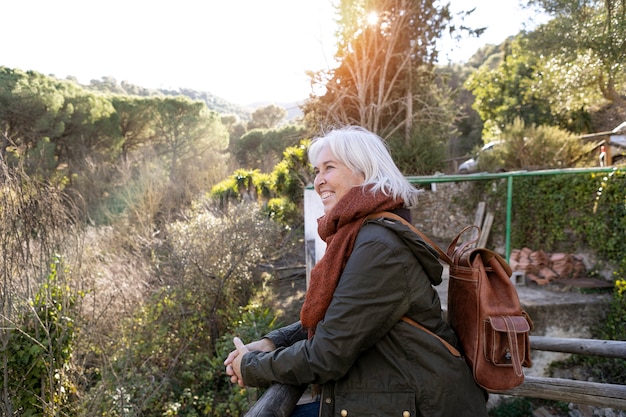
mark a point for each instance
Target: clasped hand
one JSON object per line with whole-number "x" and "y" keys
{"x": 233, "y": 361}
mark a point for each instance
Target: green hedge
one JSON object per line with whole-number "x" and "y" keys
{"x": 564, "y": 212}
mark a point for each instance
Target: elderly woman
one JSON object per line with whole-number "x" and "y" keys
{"x": 351, "y": 340}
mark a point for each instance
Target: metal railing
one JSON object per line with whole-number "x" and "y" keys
{"x": 509, "y": 176}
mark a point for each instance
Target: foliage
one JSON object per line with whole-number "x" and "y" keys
{"x": 522, "y": 407}
{"x": 587, "y": 39}
{"x": 37, "y": 222}
{"x": 535, "y": 147}
{"x": 536, "y": 82}
{"x": 565, "y": 208}
{"x": 280, "y": 192}
{"x": 267, "y": 117}
{"x": 210, "y": 393}
{"x": 562, "y": 212}
{"x": 189, "y": 136}
{"x": 516, "y": 407}
{"x": 39, "y": 349}
{"x": 283, "y": 211}
{"x": 35, "y": 108}
{"x": 423, "y": 154}
{"x": 62, "y": 133}
{"x": 168, "y": 355}
{"x": 263, "y": 148}
{"x": 509, "y": 91}
{"x": 293, "y": 173}
{"x": 109, "y": 85}
{"x": 607, "y": 229}
{"x": 468, "y": 126}
{"x": 385, "y": 52}
{"x": 615, "y": 326}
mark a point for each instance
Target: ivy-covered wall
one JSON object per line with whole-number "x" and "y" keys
{"x": 576, "y": 213}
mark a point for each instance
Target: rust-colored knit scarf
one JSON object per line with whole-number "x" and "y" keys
{"x": 339, "y": 229}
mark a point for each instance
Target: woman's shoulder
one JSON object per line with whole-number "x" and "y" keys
{"x": 399, "y": 237}
{"x": 380, "y": 230}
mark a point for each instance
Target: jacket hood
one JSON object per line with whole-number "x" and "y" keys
{"x": 424, "y": 253}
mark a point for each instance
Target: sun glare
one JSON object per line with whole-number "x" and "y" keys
{"x": 372, "y": 18}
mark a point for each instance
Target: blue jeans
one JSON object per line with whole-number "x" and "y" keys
{"x": 306, "y": 410}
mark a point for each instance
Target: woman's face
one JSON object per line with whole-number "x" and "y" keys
{"x": 333, "y": 179}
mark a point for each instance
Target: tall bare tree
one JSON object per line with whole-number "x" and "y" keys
{"x": 386, "y": 51}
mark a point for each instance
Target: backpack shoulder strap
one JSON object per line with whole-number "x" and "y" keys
{"x": 448, "y": 346}
{"x": 389, "y": 215}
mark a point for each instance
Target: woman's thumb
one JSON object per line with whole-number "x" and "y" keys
{"x": 238, "y": 343}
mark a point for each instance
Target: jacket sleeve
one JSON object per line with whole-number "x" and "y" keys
{"x": 371, "y": 297}
{"x": 288, "y": 335}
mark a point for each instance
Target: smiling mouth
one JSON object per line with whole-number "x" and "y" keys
{"x": 325, "y": 195}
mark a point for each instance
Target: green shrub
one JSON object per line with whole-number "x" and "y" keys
{"x": 515, "y": 407}
{"x": 167, "y": 359}
{"x": 40, "y": 349}
{"x": 283, "y": 211}
{"x": 561, "y": 212}
{"x": 523, "y": 407}
{"x": 535, "y": 147}
{"x": 208, "y": 390}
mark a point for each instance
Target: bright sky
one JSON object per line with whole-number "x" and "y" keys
{"x": 241, "y": 50}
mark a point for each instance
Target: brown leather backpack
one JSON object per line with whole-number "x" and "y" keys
{"x": 485, "y": 312}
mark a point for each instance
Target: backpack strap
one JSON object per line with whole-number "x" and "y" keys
{"x": 511, "y": 332}
{"x": 453, "y": 252}
{"x": 451, "y": 348}
{"x": 389, "y": 215}
{"x": 442, "y": 254}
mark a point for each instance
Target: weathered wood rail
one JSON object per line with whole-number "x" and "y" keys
{"x": 279, "y": 399}
{"x": 579, "y": 392}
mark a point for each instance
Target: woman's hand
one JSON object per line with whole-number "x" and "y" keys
{"x": 233, "y": 361}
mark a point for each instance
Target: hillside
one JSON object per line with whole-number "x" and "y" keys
{"x": 217, "y": 104}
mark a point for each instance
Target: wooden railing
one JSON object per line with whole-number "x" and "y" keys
{"x": 279, "y": 399}
{"x": 568, "y": 390}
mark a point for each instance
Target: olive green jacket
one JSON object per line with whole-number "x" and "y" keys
{"x": 367, "y": 361}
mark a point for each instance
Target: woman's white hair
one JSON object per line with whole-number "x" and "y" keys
{"x": 365, "y": 152}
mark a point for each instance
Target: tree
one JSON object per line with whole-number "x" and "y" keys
{"x": 29, "y": 106}
{"x": 587, "y": 39}
{"x": 468, "y": 126}
{"x": 385, "y": 80}
{"x": 262, "y": 149}
{"x": 385, "y": 52}
{"x": 510, "y": 90}
{"x": 49, "y": 123}
{"x": 186, "y": 128}
{"x": 135, "y": 116}
{"x": 191, "y": 138}
{"x": 90, "y": 127}
{"x": 267, "y": 117}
